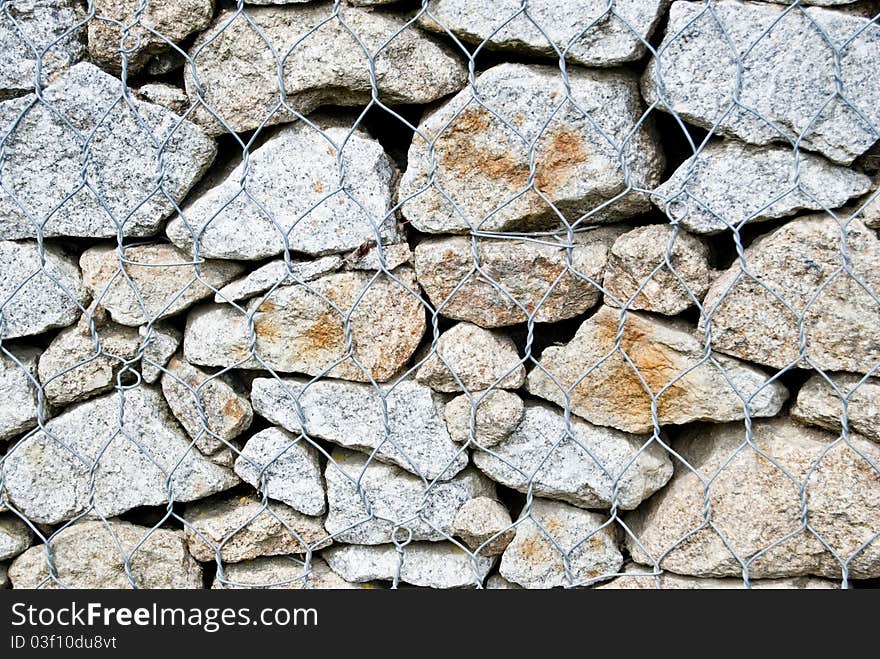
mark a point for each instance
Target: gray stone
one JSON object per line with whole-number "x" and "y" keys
{"x": 19, "y": 394}
{"x": 729, "y": 183}
{"x": 303, "y": 329}
{"x": 788, "y": 75}
{"x": 580, "y": 465}
{"x": 168, "y": 96}
{"x": 495, "y": 414}
{"x": 497, "y": 582}
{"x": 795, "y": 270}
{"x": 303, "y": 205}
{"x": 4, "y": 576}
{"x": 92, "y": 554}
{"x": 396, "y": 499}
{"x": 351, "y": 415}
{"x": 870, "y": 211}
{"x": 638, "y": 269}
{"x": 37, "y": 295}
{"x": 427, "y": 564}
{"x": 242, "y": 527}
{"x": 277, "y": 273}
{"x": 756, "y": 508}
{"x": 15, "y": 536}
{"x": 159, "y": 341}
{"x": 665, "y": 361}
{"x": 190, "y": 391}
{"x": 366, "y": 257}
{"x": 547, "y": 534}
{"x": 44, "y": 159}
{"x": 477, "y": 357}
{"x": 476, "y": 172}
{"x": 27, "y": 27}
{"x": 238, "y": 72}
{"x": 285, "y": 467}
{"x": 281, "y": 572}
{"x": 484, "y": 525}
{"x": 819, "y": 404}
{"x": 154, "y": 281}
{"x": 634, "y": 578}
{"x": 47, "y": 474}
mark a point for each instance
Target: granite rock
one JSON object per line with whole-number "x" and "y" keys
{"x": 19, "y": 393}
{"x": 819, "y": 404}
{"x": 484, "y": 525}
{"x": 494, "y": 414}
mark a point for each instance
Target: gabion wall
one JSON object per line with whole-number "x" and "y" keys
{"x": 452, "y": 293}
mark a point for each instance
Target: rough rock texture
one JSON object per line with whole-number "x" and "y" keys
{"x": 37, "y": 295}
{"x": 497, "y": 414}
{"x": 484, "y": 525}
{"x": 638, "y": 263}
{"x": 663, "y": 354}
{"x": 820, "y": 405}
{"x": 580, "y": 466}
{"x": 280, "y": 572}
{"x": 729, "y": 183}
{"x": 45, "y": 156}
{"x": 168, "y": 96}
{"x": 479, "y": 176}
{"x": 4, "y": 576}
{"x": 427, "y": 564}
{"x": 43, "y": 23}
{"x": 476, "y": 357}
{"x": 15, "y": 536}
{"x": 284, "y": 467}
{"x": 48, "y": 479}
{"x": 583, "y": 28}
{"x": 871, "y": 212}
{"x": 18, "y": 391}
{"x": 190, "y": 392}
{"x": 304, "y": 204}
{"x": 242, "y": 528}
{"x": 87, "y": 555}
{"x": 277, "y": 273}
{"x": 238, "y": 72}
{"x": 799, "y": 263}
{"x": 516, "y": 278}
{"x": 367, "y": 257}
{"x": 396, "y": 499}
{"x": 635, "y": 579}
{"x": 788, "y": 75}
{"x": 173, "y": 20}
{"x": 351, "y": 415}
{"x": 552, "y": 531}
{"x": 755, "y": 505}
{"x": 159, "y": 341}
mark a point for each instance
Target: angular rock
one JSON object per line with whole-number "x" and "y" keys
{"x": 396, "y": 499}
{"x": 37, "y": 295}
{"x": 46, "y": 475}
{"x": 788, "y": 74}
{"x": 304, "y": 206}
{"x": 285, "y": 467}
{"x": 800, "y": 264}
{"x": 666, "y": 359}
{"x": 19, "y": 394}
{"x": 729, "y": 183}
{"x": 351, "y": 415}
{"x": 302, "y": 329}
{"x": 159, "y": 342}
{"x": 841, "y": 498}
{"x": 241, "y": 528}
{"x": 90, "y": 555}
{"x": 634, "y": 578}
{"x": 476, "y": 172}
{"x": 168, "y": 96}
{"x": 820, "y": 405}
{"x": 154, "y": 281}
{"x": 394, "y": 256}
{"x": 498, "y": 413}
{"x": 190, "y": 392}
{"x": 277, "y": 273}
{"x": 15, "y": 536}
{"x": 45, "y": 158}
{"x": 323, "y": 64}
{"x": 580, "y": 466}
{"x": 484, "y": 525}
{"x": 637, "y": 266}
{"x": 427, "y": 564}
{"x": 535, "y": 558}
{"x": 584, "y": 29}
{"x": 870, "y": 212}
{"x": 280, "y": 572}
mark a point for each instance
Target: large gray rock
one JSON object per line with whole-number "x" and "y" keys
{"x": 168, "y": 96}
{"x": 586, "y": 30}
{"x": 819, "y": 404}
{"x": 98, "y": 554}
{"x": 786, "y": 78}
{"x": 236, "y": 71}
{"x": 303, "y": 329}
{"x": 484, "y": 417}
{"x": 305, "y": 205}
{"x": 15, "y": 536}
{"x": 280, "y": 572}
{"x": 368, "y": 500}
{"x": 583, "y": 464}
{"x": 754, "y": 502}
{"x": 559, "y": 545}
{"x": 729, "y": 183}
{"x": 351, "y": 415}
{"x": 277, "y": 273}
{"x": 37, "y": 293}
{"x": 45, "y": 156}
{"x": 47, "y": 475}
{"x": 159, "y": 341}
{"x": 19, "y": 393}
{"x": 664, "y": 360}
{"x": 475, "y": 171}
{"x": 637, "y": 577}
{"x": 796, "y": 271}
{"x": 427, "y": 564}
{"x": 27, "y": 27}
{"x": 484, "y": 525}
